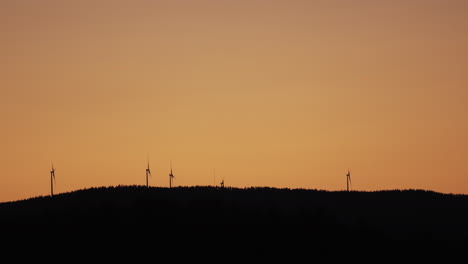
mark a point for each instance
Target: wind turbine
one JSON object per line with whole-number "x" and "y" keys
{"x": 348, "y": 180}
{"x": 148, "y": 172}
{"x": 222, "y": 183}
{"x": 171, "y": 177}
{"x": 52, "y": 180}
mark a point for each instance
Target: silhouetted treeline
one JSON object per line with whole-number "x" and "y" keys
{"x": 252, "y": 221}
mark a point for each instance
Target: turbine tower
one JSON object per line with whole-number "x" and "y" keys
{"x": 171, "y": 177}
{"x": 148, "y": 172}
{"x": 52, "y": 180}
{"x": 348, "y": 180}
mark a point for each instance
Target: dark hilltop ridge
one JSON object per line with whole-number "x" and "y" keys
{"x": 252, "y": 221}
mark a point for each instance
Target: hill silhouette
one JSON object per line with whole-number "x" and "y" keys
{"x": 257, "y": 221}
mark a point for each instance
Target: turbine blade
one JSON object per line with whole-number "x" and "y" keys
{"x": 147, "y": 161}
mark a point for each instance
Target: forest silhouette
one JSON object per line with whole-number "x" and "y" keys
{"x": 255, "y": 221}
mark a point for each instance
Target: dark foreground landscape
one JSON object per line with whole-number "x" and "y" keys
{"x": 233, "y": 222}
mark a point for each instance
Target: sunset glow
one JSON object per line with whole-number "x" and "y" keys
{"x": 259, "y": 93}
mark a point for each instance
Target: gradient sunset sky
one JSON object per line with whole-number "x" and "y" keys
{"x": 266, "y": 93}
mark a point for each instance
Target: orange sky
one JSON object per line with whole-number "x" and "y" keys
{"x": 267, "y": 93}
